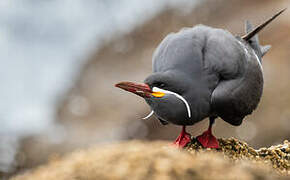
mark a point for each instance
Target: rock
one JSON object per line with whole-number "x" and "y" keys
{"x": 277, "y": 156}
{"x": 158, "y": 160}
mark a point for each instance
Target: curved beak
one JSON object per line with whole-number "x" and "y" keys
{"x": 139, "y": 89}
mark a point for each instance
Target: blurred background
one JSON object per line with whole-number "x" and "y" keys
{"x": 59, "y": 61}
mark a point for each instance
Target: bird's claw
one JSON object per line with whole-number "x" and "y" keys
{"x": 182, "y": 140}
{"x": 207, "y": 140}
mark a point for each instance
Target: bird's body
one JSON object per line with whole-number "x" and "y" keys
{"x": 217, "y": 73}
{"x": 202, "y": 72}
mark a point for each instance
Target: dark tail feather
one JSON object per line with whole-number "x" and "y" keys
{"x": 252, "y": 36}
{"x": 254, "y": 41}
{"x": 252, "y": 33}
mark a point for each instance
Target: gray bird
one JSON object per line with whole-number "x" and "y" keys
{"x": 202, "y": 72}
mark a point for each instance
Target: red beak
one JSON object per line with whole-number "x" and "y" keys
{"x": 139, "y": 89}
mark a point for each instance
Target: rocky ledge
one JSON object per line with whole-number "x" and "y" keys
{"x": 277, "y": 156}
{"x": 158, "y": 160}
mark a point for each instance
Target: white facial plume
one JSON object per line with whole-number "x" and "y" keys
{"x": 149, "y": 115}
{"x": 156, "y": 89}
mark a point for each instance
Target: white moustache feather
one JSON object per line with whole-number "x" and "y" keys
{"x": 156, "y": 89}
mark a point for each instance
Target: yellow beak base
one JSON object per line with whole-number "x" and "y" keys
{"x": 158, "y": 94}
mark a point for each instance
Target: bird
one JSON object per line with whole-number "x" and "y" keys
{"x": 204, "y": 72}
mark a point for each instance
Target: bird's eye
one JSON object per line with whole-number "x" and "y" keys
{"x": 160, "y": 84}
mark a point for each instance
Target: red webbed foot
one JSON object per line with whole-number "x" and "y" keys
{"x": 207, "y": 139}
{"x": 183, "y": 139}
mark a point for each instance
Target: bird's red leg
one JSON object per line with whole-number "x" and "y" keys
{"x": 183, "y": 139}
{"x": 207, "y": 139}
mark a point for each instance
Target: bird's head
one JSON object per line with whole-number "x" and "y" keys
{"x": 165, "y": 94}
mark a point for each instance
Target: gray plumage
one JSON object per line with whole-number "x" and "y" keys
{"x": 220, "y": 75}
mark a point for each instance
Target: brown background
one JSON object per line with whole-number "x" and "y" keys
{"x": 94, "y": 111}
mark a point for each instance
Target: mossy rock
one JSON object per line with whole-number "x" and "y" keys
{"x": 156, "y": 160}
